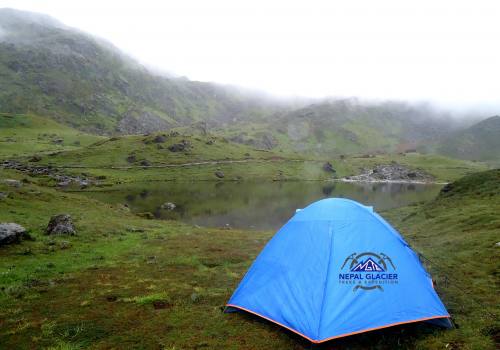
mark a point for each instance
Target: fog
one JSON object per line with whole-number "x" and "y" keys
{"x": 443, "y": 52}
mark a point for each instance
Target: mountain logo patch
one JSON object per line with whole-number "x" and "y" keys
{"x": 368, "y": 271}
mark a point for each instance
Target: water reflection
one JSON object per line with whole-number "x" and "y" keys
{"x": 265, "y": 205}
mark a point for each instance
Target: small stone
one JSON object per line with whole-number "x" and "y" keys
{"x": 60, "y": 224}
{"x": 168, "y": 206}
{"x": 134, "y": 229}
{"x": 64, "y": 244}
{"x": 36, "y": 158}
{"x": 112, "y": 298}
{"x": 146, "y": 215}
{"x": 161, "y": 304}
{"x": 12, "y": 183}
{"x": 219, "y": 174}
{"x": 195, "y": 297}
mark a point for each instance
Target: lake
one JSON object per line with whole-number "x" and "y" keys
{"x": 254, "y": 205}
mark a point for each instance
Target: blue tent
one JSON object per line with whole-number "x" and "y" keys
{"x": 337, "y": 268}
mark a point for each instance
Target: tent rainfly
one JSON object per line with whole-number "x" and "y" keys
{"x": 335, "y": 269}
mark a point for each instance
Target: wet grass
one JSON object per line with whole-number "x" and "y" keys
{"x": 128, "y": 283}
{"x": 22, "y": 135}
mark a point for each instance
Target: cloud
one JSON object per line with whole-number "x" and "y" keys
{"x": 443, "y": 51}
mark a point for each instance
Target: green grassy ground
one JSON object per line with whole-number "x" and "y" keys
{"x": 28, "y": 134}
{"x": 129, "y": 283}
{"x": 148, "y": 158}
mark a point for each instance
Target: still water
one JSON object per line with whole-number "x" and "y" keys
{"x": 252, "y": 205}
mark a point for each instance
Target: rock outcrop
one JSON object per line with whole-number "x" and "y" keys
{"x": 391, "y": 173}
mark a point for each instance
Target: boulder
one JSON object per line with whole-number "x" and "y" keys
{"x": 35, "y": 158}
{"x": 168, "y": 206}
{"x": 179, "y": 147}
{"x": 160, "y": 139}
{"x": 329, "y": 167}
{"x": 60, "y": 224}
{"x": 219, "y": 174}
{"x": 11, "y": 233}
{"x": 131, "y": 158}
{"x": 145, "y": 162}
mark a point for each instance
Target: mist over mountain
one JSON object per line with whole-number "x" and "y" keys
{"x": 481, "y": 141}
{"x": 50, "y": 69}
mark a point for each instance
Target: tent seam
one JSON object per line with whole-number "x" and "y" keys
{"x": 318, "y": 341}
{"x": 326, "y": 279}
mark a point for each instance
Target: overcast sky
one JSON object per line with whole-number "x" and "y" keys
{"x": 441, "y": 50}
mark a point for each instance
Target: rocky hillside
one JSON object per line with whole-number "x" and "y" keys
{"x": 478, "y": 142}
{"x": 347, "y": 126}
{"x": 50, "y": 69}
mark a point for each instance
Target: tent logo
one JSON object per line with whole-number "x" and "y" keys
{"x": 367, "y": 266}
{"x": 368, "y": 271}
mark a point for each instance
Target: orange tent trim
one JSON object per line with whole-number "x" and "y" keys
{"x": 337, "y": 336}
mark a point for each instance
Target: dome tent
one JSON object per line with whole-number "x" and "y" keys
{"x": 337, "y": 268}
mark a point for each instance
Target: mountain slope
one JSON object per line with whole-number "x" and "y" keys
{"x": 478, "y": 142}
{"x": 348, "y": 126}
{"x": 51, "y": 69}
{"x": 29, "y": 134}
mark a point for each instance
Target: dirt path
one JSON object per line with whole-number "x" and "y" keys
{"x": 179, "y": 165}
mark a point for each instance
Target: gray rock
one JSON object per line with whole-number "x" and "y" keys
{"x": 12, "y": 183}
{"x": 168, "y": 206}
{"x": 219, "y": 174}
{"x": 160, "y": 139}
{"x": 392, "y": 172}
{"x": 60, "y": 224}
{"x": 11, "y": 233}
{"x": 131, "y": 158}
{"x": 35, "y": 158}
{"x": 329, "y": 167}
{"x": 3, "y": 195}
{"x": 179, "y": 147}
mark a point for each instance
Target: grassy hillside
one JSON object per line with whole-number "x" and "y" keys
{"x": 131, "y": 283}
{"x": 29, "y": 134}
{"x": 50, "y": 69}
{"x": 348, "y": 127}
{"x": 458, "y": 233}
{"x": 478, "y": 142}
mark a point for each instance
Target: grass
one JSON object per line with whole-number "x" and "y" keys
{"x": 127, "y": 282}
{"x": 28, "y": 134}
{"x": 141, "y": 158}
